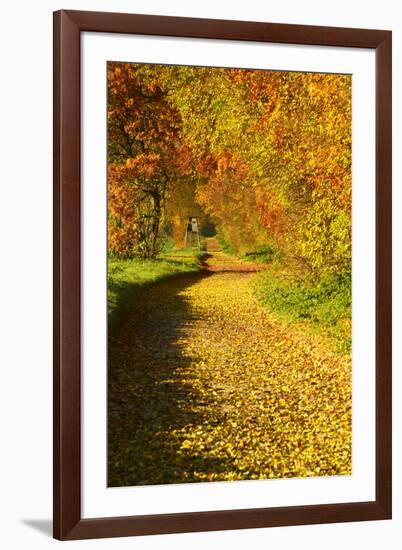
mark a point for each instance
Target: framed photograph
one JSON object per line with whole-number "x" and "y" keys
{"x": 222, "y": 274}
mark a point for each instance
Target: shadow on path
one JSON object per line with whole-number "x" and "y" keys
{"x": 151, "y": 400}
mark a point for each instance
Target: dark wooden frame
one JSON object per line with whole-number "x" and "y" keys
{"x": 67, "y": 482}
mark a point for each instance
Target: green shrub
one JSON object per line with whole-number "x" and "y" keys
{"x": 225, "y": 245}
{"x": 264, "y": 254}
{"x": 325, "y": 305}
{"x": 168, "y": 245}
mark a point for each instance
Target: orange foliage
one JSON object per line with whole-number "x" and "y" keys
{"x": 266, "y": 154}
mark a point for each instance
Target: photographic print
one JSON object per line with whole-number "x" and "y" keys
{"x": 229, "y": 274}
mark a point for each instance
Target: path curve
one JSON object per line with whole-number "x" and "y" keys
{"x": 204, "y": 385}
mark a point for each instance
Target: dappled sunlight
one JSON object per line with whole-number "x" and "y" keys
{"x": 229, "y": 274}
{"x": 204, "y": 386}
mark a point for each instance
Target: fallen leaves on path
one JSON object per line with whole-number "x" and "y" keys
{"x": 204, "y": 385}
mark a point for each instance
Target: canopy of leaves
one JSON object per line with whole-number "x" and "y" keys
{"x": 266, "y": 155}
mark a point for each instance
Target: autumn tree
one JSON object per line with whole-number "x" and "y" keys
{"x": 302, "y": 152}
{"x": 266, "y": 154}
{"x": 143, "y": 132}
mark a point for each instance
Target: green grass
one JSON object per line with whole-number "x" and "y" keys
{"x": 127, "y": 277}
{"x": 323, "y": 306}
{"x": 226, "y": 246}
{"x": 265, "y": 254}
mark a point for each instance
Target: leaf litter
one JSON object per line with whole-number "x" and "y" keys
{"x": 205, "y": 385}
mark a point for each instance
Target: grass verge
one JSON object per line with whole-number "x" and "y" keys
{"x": 127, "y": 277}
{"x": 323, "y": 306}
